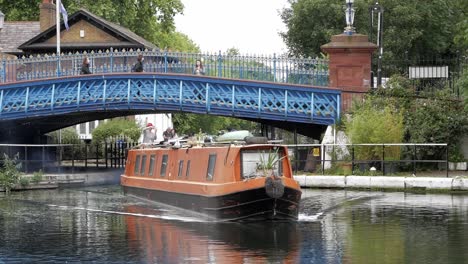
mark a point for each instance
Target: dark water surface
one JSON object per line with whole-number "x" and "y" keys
{"x": 100, "y": 225}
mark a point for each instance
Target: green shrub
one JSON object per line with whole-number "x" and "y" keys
{"x": 37, "y": 176}
{"x": 375, "y": 124}
{"x": 9, "y": 173}
{"x": 24, "y": 181}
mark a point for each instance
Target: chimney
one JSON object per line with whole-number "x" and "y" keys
{"x": 46, "y": 14}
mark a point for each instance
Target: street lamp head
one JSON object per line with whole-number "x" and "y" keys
{"x": 349, "y": 12}
{"x": 2, "y": 19}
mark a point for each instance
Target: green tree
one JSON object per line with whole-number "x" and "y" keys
{"x": 422, "y": 29}
{"x": 9, "y": 173}
{"x": 190, "y": 124}
{"x": 68, "y": 136}
{"x": 117, "y": 127}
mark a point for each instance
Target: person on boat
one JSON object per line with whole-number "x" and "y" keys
{"x": 169, "y": 134}
{"x": 149, "y": 133}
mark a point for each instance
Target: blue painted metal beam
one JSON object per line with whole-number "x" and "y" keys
{"x": 169, "y": 92}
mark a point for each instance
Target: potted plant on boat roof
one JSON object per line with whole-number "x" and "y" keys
{"x": 269, "y": 162}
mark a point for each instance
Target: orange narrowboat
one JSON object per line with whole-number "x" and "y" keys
{"x": 223, "y": 182}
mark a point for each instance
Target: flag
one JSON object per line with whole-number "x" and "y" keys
{"x": 64, "y": 14}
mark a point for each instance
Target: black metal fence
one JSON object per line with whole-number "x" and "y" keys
{"x": 330, "y": 159}
{"x": 426, "y": 74}
{"x": 370, "y": 159}
{"x": 57, "y": 158}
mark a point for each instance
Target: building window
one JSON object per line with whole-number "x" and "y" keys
{"x": 137, "y": 165}
{"x": 163, "y": 165}
{"x": 181, "y": 168}
{"x": 143, "y": 165}
{"x": 187, "y": 170}
{"x": 151, "y": 165}
{"x": 211, "y": 167}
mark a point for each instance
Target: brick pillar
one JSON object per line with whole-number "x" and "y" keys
{"x": 350, "y": 65}
{"x": 46, "y": 15}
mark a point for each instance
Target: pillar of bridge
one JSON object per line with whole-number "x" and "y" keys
{"x": 350, "y": 65}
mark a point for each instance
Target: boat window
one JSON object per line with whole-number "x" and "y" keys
{"x": 163, "y": 165}
{"x": 151, "y": 165}
{"x": 137, "y": 165}
{"x": 181, "y": 168}
{"x": 211, "y": 167}
{"x": 143, "y": 165}
{"x": 260, "y": 163}
{"x": 187, "y": 171}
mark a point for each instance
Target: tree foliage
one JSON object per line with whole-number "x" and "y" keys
{"x": 10, "y": 172}
{"x": 433, "y": 118}
{"x": 190, "y": 124}
{"x": 115, "y": 128}
{"x": 374, "y": 123}
{"x": 421, "y": 28}
{"x": 151, "y": 19}
{"x": 68, "y": 136}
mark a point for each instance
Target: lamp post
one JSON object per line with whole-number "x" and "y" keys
{"x": 349, "y": 12}
{"x": 377, "y": 9}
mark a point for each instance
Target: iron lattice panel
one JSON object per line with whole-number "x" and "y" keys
{"x": 164, "y": 92}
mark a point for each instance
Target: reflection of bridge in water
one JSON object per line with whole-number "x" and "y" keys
{"x": 282, "y": 92}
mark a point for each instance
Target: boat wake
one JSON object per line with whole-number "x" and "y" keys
{"x": 318, "y": 216}
{"x": 310, "y": 218}
{"x": 155, "y": 216}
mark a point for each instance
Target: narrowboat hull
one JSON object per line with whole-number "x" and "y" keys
{"x": 248, "y": 205}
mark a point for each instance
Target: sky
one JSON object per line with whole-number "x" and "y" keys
{"x": 251, "y": 26}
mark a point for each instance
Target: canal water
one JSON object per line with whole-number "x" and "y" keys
{"x": 101, "y": 225}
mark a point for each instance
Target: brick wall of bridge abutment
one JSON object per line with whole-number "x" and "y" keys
{"x": 350, "y": 59}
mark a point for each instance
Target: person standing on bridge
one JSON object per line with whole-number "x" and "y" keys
{"x": 199, "y": 68}
{"x": 138, "y": 67}
{"x": 85, "y": 66}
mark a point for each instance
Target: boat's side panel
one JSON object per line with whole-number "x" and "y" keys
{"x": 199, "y": 158}
{"x": 202, "y": 189}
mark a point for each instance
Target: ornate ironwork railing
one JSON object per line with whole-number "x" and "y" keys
{"x": 170, "y": 92}
{"x": 273, "y": 68}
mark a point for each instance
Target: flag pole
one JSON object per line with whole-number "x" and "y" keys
{"x": 57, "y": 25}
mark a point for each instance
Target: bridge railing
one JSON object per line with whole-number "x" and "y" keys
{"x": 275, "y": 68}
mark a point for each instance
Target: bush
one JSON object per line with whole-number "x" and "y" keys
{"x": 375, "y": 124}
{"x": 9, "y": 173}
{"x": 37, "y": 176}
{"x": 24, "y": 181}
{"x": 117, "y": 127}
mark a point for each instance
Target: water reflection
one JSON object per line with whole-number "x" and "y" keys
{"x": 101, "y": 225}
{"x": 204, "y": 242}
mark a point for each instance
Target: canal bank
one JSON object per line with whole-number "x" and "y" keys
{"x": 70, "y": 180}
{"x": 458, "y": 183}
{"x": 420, "y": 183}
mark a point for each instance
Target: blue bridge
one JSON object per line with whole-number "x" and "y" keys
{"x": 39, "y": 95}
